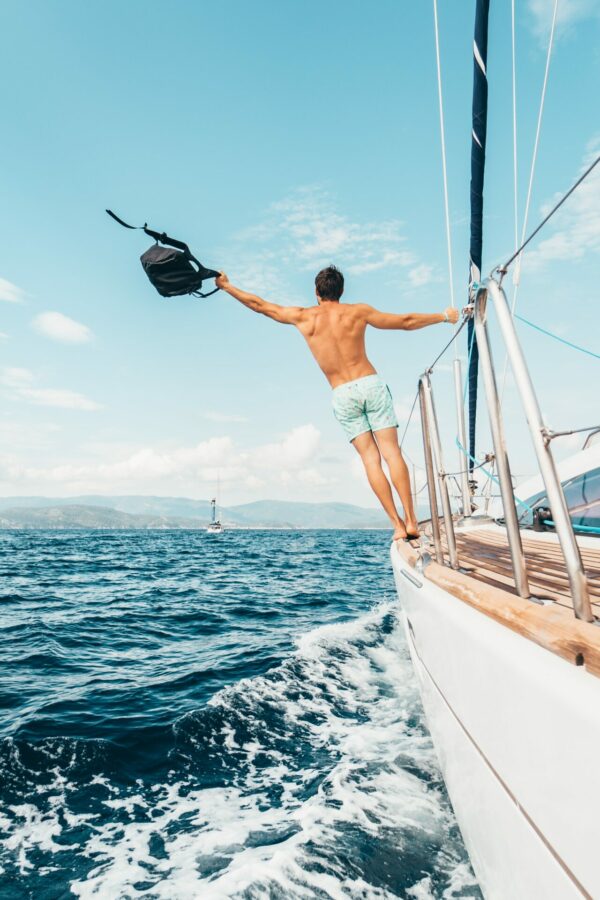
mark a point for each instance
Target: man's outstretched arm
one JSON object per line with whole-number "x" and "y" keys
{"x": 408, "y": 321}
{"x": 287, "y": 315}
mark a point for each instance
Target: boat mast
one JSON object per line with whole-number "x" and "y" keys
{"x": 478, "y": 140}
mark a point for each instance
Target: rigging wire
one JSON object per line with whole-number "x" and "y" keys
{"x": 502, "y": 270}
{"x": 514, "y": 110}
{"x": 517, "y": 255}
{"x": 444, "y": 165}
{"x": 517, "y": 271}
{"x": 459, "y": 328}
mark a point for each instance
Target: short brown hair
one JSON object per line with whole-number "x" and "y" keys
{"x": 330, "y": 283}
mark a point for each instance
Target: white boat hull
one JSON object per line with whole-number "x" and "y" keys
{"x": 517, "y": 732}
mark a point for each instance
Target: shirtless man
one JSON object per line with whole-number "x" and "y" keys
{"x": 362, "y": 402}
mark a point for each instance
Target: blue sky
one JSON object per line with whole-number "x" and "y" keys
{"x": 274, "y": 138}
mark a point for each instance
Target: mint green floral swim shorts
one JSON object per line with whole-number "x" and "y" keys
{"x": 364, "y": 405}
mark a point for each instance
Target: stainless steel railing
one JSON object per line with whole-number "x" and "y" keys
{"x": 497, "y": 429}
{"x": 437, "y": 476}
{"x": 541, "y": 445}
{"x": 431, "y": 441}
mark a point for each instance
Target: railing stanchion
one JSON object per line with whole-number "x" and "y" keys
{"x": 434, "y": 434}
{"x": 463, "y": 465}
{"x": 414, "y": 489}
{"x": 435, "y": 520}
{"x": 538, "y": 431}
{"x": 502, "y": 463}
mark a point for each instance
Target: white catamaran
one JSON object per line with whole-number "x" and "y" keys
{"x": 501, "y": 614}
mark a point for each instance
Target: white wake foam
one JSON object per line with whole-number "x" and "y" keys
{"x": 350, "y": 799}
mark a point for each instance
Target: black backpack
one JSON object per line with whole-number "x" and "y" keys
{"x": 173, "y": 270}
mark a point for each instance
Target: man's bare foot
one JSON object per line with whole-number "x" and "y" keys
{"x": 412, "y": 528}
{"x": 399, "y": 533}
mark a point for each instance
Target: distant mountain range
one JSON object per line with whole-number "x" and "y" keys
{"x": 133, "y": 511}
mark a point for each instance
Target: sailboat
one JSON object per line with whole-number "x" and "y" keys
{"x": 501, "y": 610}
{"x": 215, "y": 526}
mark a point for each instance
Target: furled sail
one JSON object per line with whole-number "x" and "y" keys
{"x": 478, "y": 137}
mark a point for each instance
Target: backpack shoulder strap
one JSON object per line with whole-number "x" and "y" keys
{"x": 207, "y": 294}
{"x": 162, "y": 237}
{"x": 121, "y": 222}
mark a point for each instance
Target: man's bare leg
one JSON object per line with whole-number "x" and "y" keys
{"x": 369, "y": 453}
{"x": 387, "y": 441}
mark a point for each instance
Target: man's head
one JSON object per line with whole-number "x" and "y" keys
{"x": 329, "y": 284}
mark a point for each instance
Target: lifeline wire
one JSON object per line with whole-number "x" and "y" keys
{"x": 466, "y": 471}
{"x": 452, "y": 339}
{"x": 556, "y": 337}
{"x": 430, "y": 369}
{"x": 410, "y": 415}
{"x": 591, "y": 529}
{"x": 556, "y": 434}
{"x": 585, "y": 528}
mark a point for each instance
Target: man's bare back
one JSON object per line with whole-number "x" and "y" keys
{"x": 334, "y": 331}
{"x": 362, "y": 402}
{"x": 335, "y": 334}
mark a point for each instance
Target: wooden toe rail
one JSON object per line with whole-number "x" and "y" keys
{"x": 551, "y": 625}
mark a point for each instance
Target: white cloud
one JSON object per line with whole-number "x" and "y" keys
{"x": 259, "y": 273}
{"x": 421, "y": 275}
{"x": 10, "y": 292}
{"x": 318, "y": 232}
{"x": 296, "y": 448}
{"x": 305, "y": 231}
{"x": 576, "y": 231}
{"x": 62, "y": 328}
{"x": 569, "y": 13}
{"x": 13, "y": 377}
{"x": 3, "y": 336}
{"x": 288, "y": 461}
{"x": 20, "y": 383}
{"x": 385, "y": 260}
{"x": 223, "y": 417}
{"x": 58, "y": 397}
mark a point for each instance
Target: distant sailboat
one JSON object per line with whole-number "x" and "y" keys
{"x": 215, "y": 526}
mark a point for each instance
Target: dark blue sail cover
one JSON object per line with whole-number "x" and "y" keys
{"x": 478, "y": 138}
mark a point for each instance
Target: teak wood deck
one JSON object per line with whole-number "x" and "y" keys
{"x": 485, "y": 581}
{"x": 486, "y": 553}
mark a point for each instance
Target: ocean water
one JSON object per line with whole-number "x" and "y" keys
{"x": 194, "y": 716}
